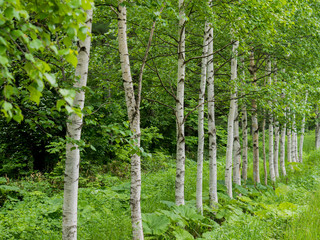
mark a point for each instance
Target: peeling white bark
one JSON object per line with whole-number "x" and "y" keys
{"x": 201, "y": 120}
{"x": 244, "y": 133}
{"x": 271, "y": 162}
{"x": 213, "y": 195}
{"x": 228, "y": 171}
{"x": 302, "y": 133}
{"x": 181, "y": 155}
{"x": 134, "y": 119}
{"x": 236, "y": 148}
{"x": 74, "y": 126}
{"x": 255, "y": 128}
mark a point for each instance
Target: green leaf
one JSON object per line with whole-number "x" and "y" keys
{"x": 36, "y": 44}
{"x": 9, "y": 12}
{"x": 16, "y": 34}
{"x": 182, "y": 234}
{"x": 51, "y": 79}
{"x": 154, "y": 224}
{"x": 34, "y": 94}
{"x": 71, "y": 58}
{"x": 4, "y": 60}
{"x": 60, "y": 103}
{"x": 7, "y": 106}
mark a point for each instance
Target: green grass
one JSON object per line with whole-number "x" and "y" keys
{"x": 34, "y": 209}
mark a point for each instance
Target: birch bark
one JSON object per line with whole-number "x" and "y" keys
{"x": 244, "y": 133}
{"x": 282, "y": 150}
{"x": 74, "y": 126}
{"x": 201, "y": 120}
{"x": 236, "y": 148}
{"x": 255, "y": 128}
{"x": 302, "y": 132}
{"x": 271, "y": 162}
{"x": 264, "y": 151}
{"x": 180, "y": 161}
{"x": 276, "y": 149}
{"x": 230, "y": 138}
{"x": 213, "y": 195}
{"x": 134, "y": 119}
{"x": 317, "y": 128}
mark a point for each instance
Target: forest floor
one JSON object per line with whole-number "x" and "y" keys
{"x": 31, "y": 208}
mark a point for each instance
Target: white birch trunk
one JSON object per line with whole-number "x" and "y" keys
{"x": 276, "y": 149}
{"x": 213, "y": 195}
{"x": 293, "y": 140}
{"x": 181, "y": 155}
{"x": 282, "y": 150}
{"x": 289, "y": 157}
{"x": 317, "y": 130}
{"x": 201, "y": 120}
{"x": 264, "y": 151}
{"x": 244, "y": 133}
{"x": 271, "y": 162}
{"x": 302, "y": 133}
{"x": 236, "y": 148}
{"x": 255, "y": 127}
{"x": 74, "y": 126}
{"x": 134, "y": 119}
{"x": 228, "y": 173}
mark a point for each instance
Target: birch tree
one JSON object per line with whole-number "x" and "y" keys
{"x": 231, "y": 116}
{"x": 74, "y": 126}
{"x": 236, "y": 147}
{"x": 244, "y": 131}
{"x": 255, "y": 128}
{"x": 271, "y": 162}
{"x": 213, "y": 194}
{"x": 201, "y": 120}
{"x": 180, "y": 161}
{"x": 302, "y": 132}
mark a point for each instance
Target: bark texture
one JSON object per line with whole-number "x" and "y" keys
{"x": 201, "y": 120}
{"x": 134, "y": 119}
{"x": 230, "y": 138}
{"x": 74, "y": 126}
{"x": 236, "y": 148}
{"x": 255, "y": 126}
{"x": 271, "y": 162}
{"x": 213, "y": 195}
{"x": 264, "y": 151}
{"x": 276, "y": 149}
{"x": 181, "y": 155}
{"x": 244, "y": 132}
{"x": 282, "y": 150}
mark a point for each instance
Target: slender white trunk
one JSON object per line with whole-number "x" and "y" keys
{"x": 282, "y": 150}
{"x": 236, "y": 148}
{"x": 317, "y": 128}
{"x": 244, "y": 133}
{"x": 213, "y": 195}
{"x": 302, "y": 132}
{"x": 134, "y": 119}
{"x": 264, "y": 151}
{"x": 201, "y": 120}
{"x": 289, "y": 157}
{"x": 228, "y": 173}
{"x": 293, "y": 139}
{"x": 276, "y": 149}
{"x": 271, "y": 162}
{"x": 74, "y": 126}
{"x": 255, "y": 127}
{"x": 181, "y": 155}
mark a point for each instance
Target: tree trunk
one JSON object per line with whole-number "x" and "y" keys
{"x": 293, "y": 140}
{"x": 264, "y": 151}
{"x": 244, "y": 134}
{"x": 228, "y": 173}
{"x": 289, "y": 157}
{"x": 271, "y": 162}
{"x": 276, "y": 149}
{"x": 282, "y": 150}
{"x": 201, "y": 120}
{"x": 134, "y": 119}
{"x": 213, "y": 195}
{"x": 302, "y": 132}
{"x": 317, "y": 128}
{"x": 181, "y": 155}
{"x": 74, "y": 126}
{"x": 236, "y": 148}
{"x": 255, "y": 127}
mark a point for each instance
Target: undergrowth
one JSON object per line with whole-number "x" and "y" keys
{"x": 32, "y": 208}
